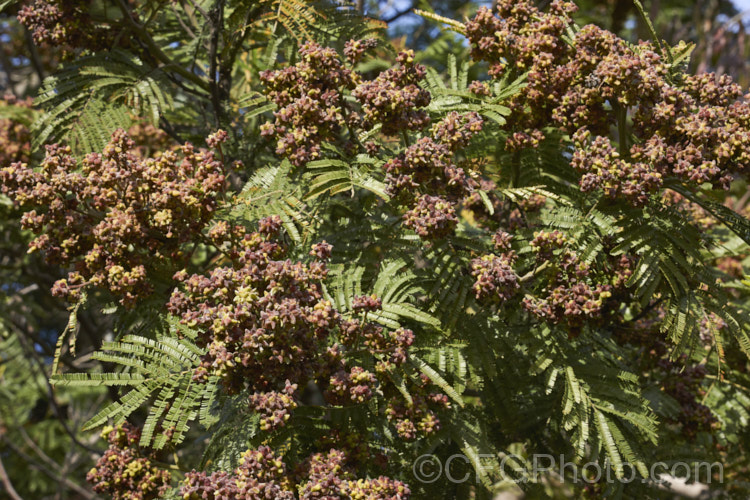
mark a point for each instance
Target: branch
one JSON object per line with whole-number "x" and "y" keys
{"x": 232, "y": 47}
{"x": 199, "y": 9}
{"x": 185, "y": 27}
{"x": 9, "y": 489}
{"x": 526, "y": 277}
{"x": 51, "y": 395}
{"x": 451, "y": 24}
{"x": 399, "y": 14}
{"x": 35, "y": 448}
{"x": 620, "y": 15}
{"x": 156, "y": 50}
{"x": 621, "y": 113}
{"x": 33, "y": 55}
{"x": 680, "y": 486}
{"x": 217, "y": 23}
{"x": 61, "y": 479}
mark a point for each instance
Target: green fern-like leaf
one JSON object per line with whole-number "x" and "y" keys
{"x": 87, "y": 100}
{"x": 160, "y": 370}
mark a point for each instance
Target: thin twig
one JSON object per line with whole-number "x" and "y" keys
{"x": 31, "y": 444}
{"x": 35, "y": 60}
{"x": 199, "y": 9}
{"x": 652, "y": 31}
{"x": 51, "y": 395}
{"x": 217, "y": 24}
{"x": 185, "y": 27}
{"x": 33, "y": 463}
{"x": 398, "y": 14}
{"x": 526, "y": 277}
{"x": 156, "y": 50}
{"x": 9, "y": 489}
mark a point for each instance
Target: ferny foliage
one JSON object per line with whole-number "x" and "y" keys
{"x": 294, "y": 257}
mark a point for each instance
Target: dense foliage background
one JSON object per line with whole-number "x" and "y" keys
{"x": 283, "y": 249}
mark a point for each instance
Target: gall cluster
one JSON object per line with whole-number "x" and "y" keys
{"x": 312, "y": 108}
{"x": 118, "y": 216}
{"x": 263, "y": 474}
{"x": 569, "y": 296}
{"x": 267, "y": 327}
{"x": 64, "y": 23}
{"x": 123, "y": 472}
{"x": 310, "y": 102}
{"x": 693, "y": 128}
{"x": 15, "y": 137}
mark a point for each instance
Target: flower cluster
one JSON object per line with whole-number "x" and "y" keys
{"x": 260, "y": 475}
{"x": 521, "y": 39}
{"x": 456, "y": 130}
{"x": 495, "y": 278}
{"x": 326, "y": 477}
{"x": 429, "y": 162}
{"x": 432, "y": 217}
{"x": 263, "y": 320}
{"x": 622, "y": 268}
{"x": 366, "y": 303}
{"x": 120, "y": 215}
{"x": 429, "y": 165}
{"x": 501, "y": 241}
{"x": 571, "y": 302}
{"x": 420, "y": 164}
{"x": 321, "y": 251}
{"x": 693, "y": 134}
{"x": 390, "y": 346}
{"x": 693, "y": 129}
{"x": 545, "y": 243}
{"x": 394, "y": 98}
{"x": 274, "y": 407}
{"x": 357, "y": 451}
{"x": 263, "y": 475}
{"x": 417, "y": 418}
{"x": 311, "y": 106}
{"x": 148, "y": 139}
{"x": 15, "y": 137}
{"x": 570, "y": 295}
{"x": 480, "y": 88}
{"x": 355, "y": 49}
{"x": 310, "y": 102}
{"x": 267, "y": 327}
{"x": 312, "y": 110}
{"x": 606, "y": 69}
{"x": 394, "y": 343}
{"x": 122, "y": 473}
{"x": 356, "y": 385}
{"x": 603, "y": 168}
{"x": 63, "y": 23}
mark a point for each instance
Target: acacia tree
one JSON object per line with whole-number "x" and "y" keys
{"x": 321, "y": 260}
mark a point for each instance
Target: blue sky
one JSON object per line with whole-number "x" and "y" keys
{"x": 742, "y": 4}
